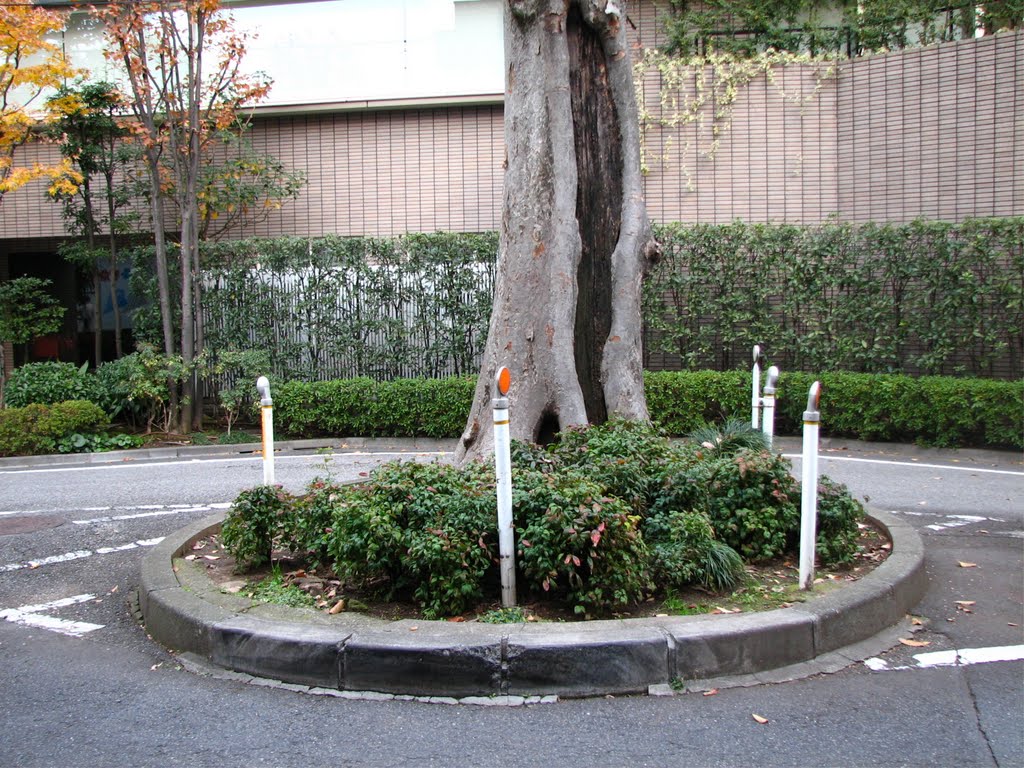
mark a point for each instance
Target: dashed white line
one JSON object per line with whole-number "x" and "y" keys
{"x": 958, "y": 657}
{"x": 34, "y": 616}
{"x": 77, "y": 555}
{"x": 174, "y": 509}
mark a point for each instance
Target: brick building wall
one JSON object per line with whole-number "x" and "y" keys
{"x": 935, "y": 132}
{"x": 932, "y": 133}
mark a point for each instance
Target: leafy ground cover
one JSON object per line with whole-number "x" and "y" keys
{"x": 765, "y": 586}
{"x": 609, "y": 520}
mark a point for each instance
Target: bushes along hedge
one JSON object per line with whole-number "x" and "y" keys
{"x": 931, "y": 410}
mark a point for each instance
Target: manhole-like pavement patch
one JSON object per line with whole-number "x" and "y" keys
{"x": 28, "y": 523}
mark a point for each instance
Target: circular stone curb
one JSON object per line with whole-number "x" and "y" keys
{"x": 185, "y": 611}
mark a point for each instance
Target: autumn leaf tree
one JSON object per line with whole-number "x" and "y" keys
{"x": 575, "y": 237}
{"x": 183, "y": 65}
{"x": 30, "y": 65}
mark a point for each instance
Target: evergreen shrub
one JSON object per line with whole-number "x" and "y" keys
{"x": 38, "y": 429}
{"x": 604, "y": 517}
{"x": 51, "y": 382}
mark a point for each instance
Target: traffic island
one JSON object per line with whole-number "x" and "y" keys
{"x": 188, "y": 613}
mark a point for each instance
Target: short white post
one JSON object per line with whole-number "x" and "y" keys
{"x": 809, "y": 487}
{"x": 768, "y": 427}
{"x": 267, "y": 413}
{"x": 503, "y": 472}
{"x": 755, "y": 390}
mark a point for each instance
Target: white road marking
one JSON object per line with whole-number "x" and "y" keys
{"x": 32, "y": 616}
{"x": 824, "y": 457}
{"x": 151, "y": 463}
{"x": 958, "y": 657}
{"x": 174, "y": 509}
{"x": 78, "y": 555}
{"x": 144, "y": 510}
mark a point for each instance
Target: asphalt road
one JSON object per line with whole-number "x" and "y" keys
{"x": 83, "y": 685}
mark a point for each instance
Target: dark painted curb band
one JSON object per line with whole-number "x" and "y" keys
{"x": 186, "y": 612}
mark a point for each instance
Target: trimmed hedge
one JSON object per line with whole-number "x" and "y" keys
{"x": 368, "y": 408}
{"x": 37, "y": 428}
{"x": 930, "y": 410}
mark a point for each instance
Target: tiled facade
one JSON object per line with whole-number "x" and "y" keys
{"x": 932, "y": 133}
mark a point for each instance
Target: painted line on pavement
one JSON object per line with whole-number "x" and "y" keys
{"x": 823, "y": 457}
{"x": 951, "y": 521}
{"x": 150, "y": 463}
{"x": 175, "y": 509}
{"x": 958, "y": 657}
{"x": 77, "y": 555}
{"x": 34, "y": 616}
{"x": 147, "y": 510}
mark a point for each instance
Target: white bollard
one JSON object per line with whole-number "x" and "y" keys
{"x": 768, "y": 427}
{"x": 809, "y": 487}
{"x": 267, "y": 413}
{"x": 755, "y": 390}
{"x": 503, "y": 472}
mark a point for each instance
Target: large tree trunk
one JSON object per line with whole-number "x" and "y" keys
{"x": 575, "y": 237}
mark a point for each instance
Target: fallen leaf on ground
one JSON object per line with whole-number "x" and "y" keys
{"x": 761, "y": 720}
{"x": 965, "y": 602}
{"x": 712, "y": 692}
{"x": 413, "y": 629}
{"x": 967, "y": 565}
{"x": 456, "y": 619}
{"x": 917, "y": 622}
{"x": 914, "y": 643}
{"x": 337, "y": 608}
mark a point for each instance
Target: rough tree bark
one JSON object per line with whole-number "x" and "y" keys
{"x": 575, "y": 238}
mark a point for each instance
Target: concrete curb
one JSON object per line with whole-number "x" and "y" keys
{"x": 184, "y": 611}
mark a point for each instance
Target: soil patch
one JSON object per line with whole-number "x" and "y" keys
{"x": 768, "y": 586}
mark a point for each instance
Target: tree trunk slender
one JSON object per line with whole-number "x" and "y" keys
{"x": 575, "y": 236}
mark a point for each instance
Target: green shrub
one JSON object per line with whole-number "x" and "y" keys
{"x": 38, "y": 429}
{"x": 683, "y": 551}
{"x": 83, "y": 443}
{"x": 750, "y": 501}
{"x": 422, "y": 529}
{"x": 257, "y": 518}
{"x": 623, "y": 456}
{"x": 366, "y": 408}
{"x": 838, "y": 517}
{"x": 135, "y": 387}
{"x": 577, "y": 541}
{"x": 50, "y": 382}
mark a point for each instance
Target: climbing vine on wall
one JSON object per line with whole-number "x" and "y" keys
{"x": 693, "y": 98}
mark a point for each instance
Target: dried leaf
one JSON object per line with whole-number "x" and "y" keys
{"x": 211, "y": 557}
{"x": 413, "y": 629}
{"x": 914, "y": 643}
{"x": 967, "y": 565}
{"x": 456, "y": 619}
{"x": 712, "y": 692}
{"x": 337, "y": 608}
{"x": 965, "y": 602}
{"x": 917, "y": 622}
{"x": 759, "y": 719}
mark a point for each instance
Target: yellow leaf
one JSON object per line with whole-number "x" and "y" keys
{"x": 914, "y": 643}
{"x": 968, "y": 565}
{"x": 759, "y": 719}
